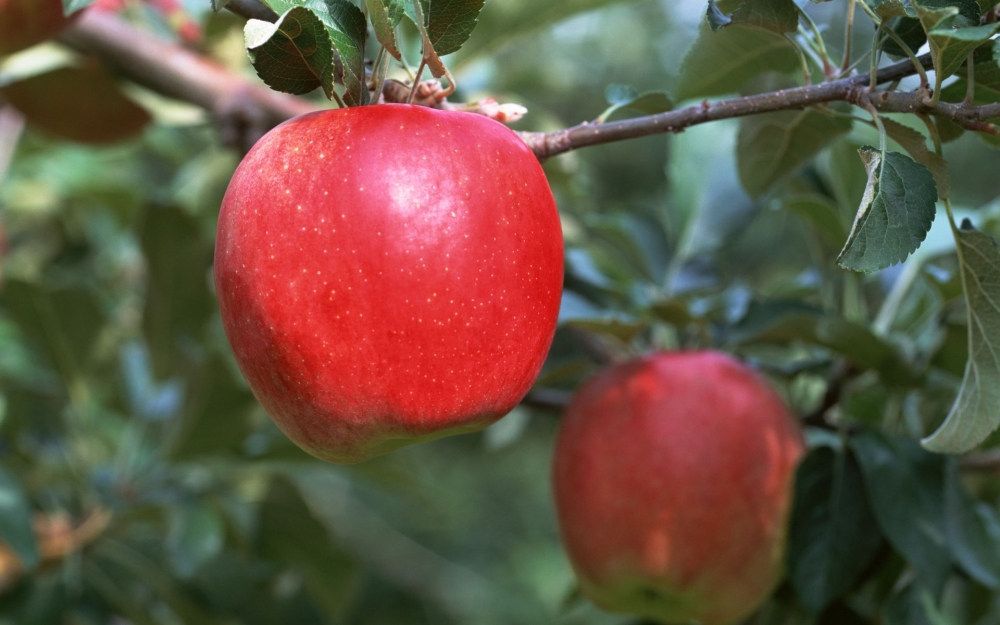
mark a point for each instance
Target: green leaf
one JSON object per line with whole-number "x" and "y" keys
{"x": 953, "y": 33}
{"x": 967, "y": 523}
{"x": 822, "y": 214}
{"x": 777, "y": 16}
{"x": 953, "y": 46}
{"x": 831, "y": 537}
{"x": 385, "y": 16}
{"x": 916, "y": 144}
{"x": 905, "y": 485}
{"x": 218, "y": 5}
{"x": 968, "y": 11}
{"x": 774, "y": 145}
{"x": 348, "y": 29}
{"x": 722, "y": 62}
{"x": 294, "y": 54}
{"x": 791, "y": 322}
{"x": 196, "y": 535}
{"x": 627, "y": 97}
{"x": 974, "y": 415}
{"x": 15, "y": 521}
{"x": 896, "y": 212}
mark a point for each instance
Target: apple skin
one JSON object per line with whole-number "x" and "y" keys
{"x": 388, "y": 274}
{"x": 673, "y": 479}
{"x": 23, "y": 23}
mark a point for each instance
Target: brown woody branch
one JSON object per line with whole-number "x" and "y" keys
{"x": 179, "y": 73}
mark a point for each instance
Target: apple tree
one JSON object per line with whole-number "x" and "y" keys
{"x": 500, "y": 312}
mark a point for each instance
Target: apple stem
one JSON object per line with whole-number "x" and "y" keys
{"x": 416, "y": 81}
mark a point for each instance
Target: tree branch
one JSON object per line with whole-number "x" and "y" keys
{"x": 178, "y": 73}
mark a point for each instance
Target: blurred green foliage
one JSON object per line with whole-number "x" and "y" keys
{"x": 119, "y": 397}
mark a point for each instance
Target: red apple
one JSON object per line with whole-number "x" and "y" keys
{"x": 673, "y": 478}
{"x": 23, "y": 23}
{"x": 388, "y": 274}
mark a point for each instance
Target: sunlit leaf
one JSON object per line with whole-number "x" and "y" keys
{"x": 975, "y": 415}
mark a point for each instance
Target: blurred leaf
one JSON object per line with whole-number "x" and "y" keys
{"x": 196, "y": 535}
{"x": 916, "y": 144}
{"x": 215, "y": 418}
{"x": 896, "y": 212}
{"x": 833, "y": 536}
{"x": 290, "y": 534}
{"x": 968, "y": 525}
{"x": 722, "y": 62}
{"x": 906, "y": 607}
{"x": 15, "y": 521}
{"x": 821, "y": 214}
{"x": 580, "y": 313}
{"x": 778, "y": 16}
{"x": 846, "y": 180}
{"x": 503, "y": 23}
{"x": 293, "y": 54}
{"x": 64, "y": 321}
{"x": 178, "y": 301}
{"x": 99, "y": 111}
{"x": 72, "y": 6}
{"x": 774, "y": 145}
{"x": 975, "y": 416}
{"x": 627, "y": 97}
{"x": 905, "y": 485}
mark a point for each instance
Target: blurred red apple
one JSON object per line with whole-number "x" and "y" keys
{"x": 673, "y": 478}
{"x": 23, "y": 23}
{"x": 388, "y": 274}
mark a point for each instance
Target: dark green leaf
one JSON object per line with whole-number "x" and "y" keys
{"x": 896, "y": 212}
{"x": 778, "y": 16}
{"x": 294, "y": 54}
{"x": 905, "y": 485}
{"x": 15, "y": 521}
{"x": 774, "y": 145}
{"x": 449, "y": 22}
{"x": 833, "y": 534}
{"x": 974, "y": 415}
{"x": 910, "y": 31}
{"x": 348, "y": 29}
